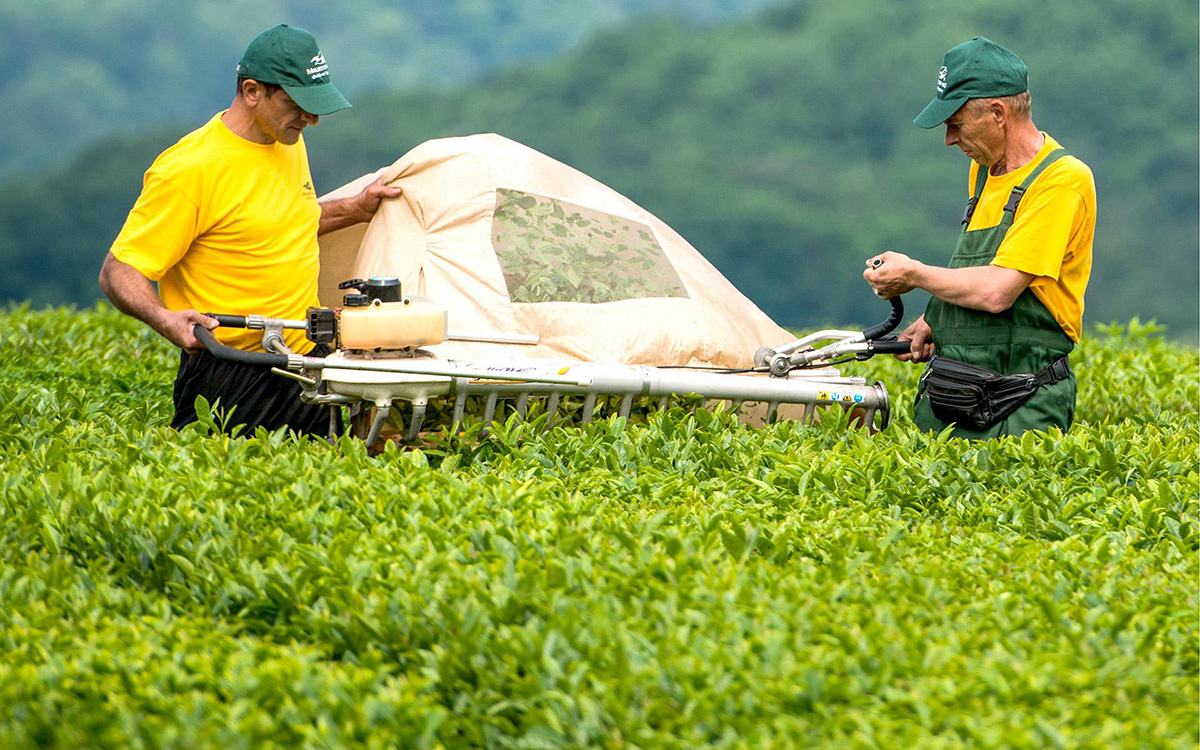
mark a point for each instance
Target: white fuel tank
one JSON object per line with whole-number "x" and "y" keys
{"x": 392, "y": 325}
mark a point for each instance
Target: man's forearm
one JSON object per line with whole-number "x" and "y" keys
{"x": 988, "y": 288}
{"x": 131, "y": 292}
{"x": 345, "y": 212}
{"x": 134, "y": 294}
{"x": 340, "y": 214}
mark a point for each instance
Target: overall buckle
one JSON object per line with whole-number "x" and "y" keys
{"x": 1014, "y": 199}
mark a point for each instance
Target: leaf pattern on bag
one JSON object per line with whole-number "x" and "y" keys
{"x": 553, "y": 251}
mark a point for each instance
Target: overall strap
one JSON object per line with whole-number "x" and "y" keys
{"x": 1014, "y": 198}
{"x": 980, "y": 179}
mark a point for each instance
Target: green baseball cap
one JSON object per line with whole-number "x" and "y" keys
{"x": 978, "y": 69}
{"x": 290, "y": 58}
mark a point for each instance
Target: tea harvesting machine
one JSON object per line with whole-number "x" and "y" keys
{"x": 379, "y": 360}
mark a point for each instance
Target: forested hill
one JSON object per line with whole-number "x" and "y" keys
{"x": 75, "y": 71}
{"x": 782, "y": 147}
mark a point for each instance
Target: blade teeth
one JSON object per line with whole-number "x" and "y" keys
{"x": 595, "y": 402}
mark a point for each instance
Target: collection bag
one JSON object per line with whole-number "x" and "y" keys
{"x": 977, "y": 397}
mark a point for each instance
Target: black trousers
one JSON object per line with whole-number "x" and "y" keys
{"x": 260, "y": 396}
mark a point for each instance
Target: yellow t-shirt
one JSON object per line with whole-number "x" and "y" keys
{"x": 225, "y": 225}
{"x": 1051, "y": 236}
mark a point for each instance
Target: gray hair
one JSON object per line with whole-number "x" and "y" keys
{"x": 1019, "y": 105}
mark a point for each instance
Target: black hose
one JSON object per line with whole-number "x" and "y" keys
{"x": 888, "y": 325}
{"x": 229, "y": 354}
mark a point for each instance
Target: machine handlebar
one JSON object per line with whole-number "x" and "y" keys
{"x": 889, "y": 325}
{"x": 229, "y": 321}
{"x": 890, "y": 345}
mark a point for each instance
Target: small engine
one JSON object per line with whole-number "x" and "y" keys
{"x": 377, "y": 317}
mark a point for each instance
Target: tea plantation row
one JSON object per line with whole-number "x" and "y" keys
{"x": 683, "y": 583}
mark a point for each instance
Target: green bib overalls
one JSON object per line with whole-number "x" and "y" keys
{"x": 1023, "y": 338}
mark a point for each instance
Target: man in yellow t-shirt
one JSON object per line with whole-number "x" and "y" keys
{"x": 227, "y": 222}
{"x": 1011, "y": 299}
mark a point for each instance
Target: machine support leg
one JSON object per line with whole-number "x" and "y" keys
{"x": 418, "y": 416}
{"x": 382, "y": 410}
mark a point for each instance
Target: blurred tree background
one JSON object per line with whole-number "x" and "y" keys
{"x": 775, "y": 136}
{"x": 77, "y": 70}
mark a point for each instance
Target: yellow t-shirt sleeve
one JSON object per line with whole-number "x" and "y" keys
{"x": 159, "y": 229}
{"x": 1038, "y": 240}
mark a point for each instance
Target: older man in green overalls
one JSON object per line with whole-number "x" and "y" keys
{"x": 1009, "y": 308}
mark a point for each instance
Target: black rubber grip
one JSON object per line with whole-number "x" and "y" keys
{"x": 229, "y": 321}
{"x": 229, "y": 354}
{"x": 888, "y": 325}
{"x": 891, "y": 347}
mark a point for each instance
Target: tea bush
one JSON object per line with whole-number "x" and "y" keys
{"x": 681, "y": 583}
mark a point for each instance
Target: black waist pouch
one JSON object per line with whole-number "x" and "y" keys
{"x": 976, "y": 397}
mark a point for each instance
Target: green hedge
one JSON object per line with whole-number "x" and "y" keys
{"x": 681, "y": 583}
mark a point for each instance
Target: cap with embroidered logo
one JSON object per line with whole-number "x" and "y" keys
{"x": 978, "y": 69}
{"x": 289, "y": 57}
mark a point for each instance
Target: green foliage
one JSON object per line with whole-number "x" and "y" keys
{"x": 681, "y": 583}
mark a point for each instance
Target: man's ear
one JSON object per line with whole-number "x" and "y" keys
{"x": 999, "y": 110}
{"x": 252, "y": 91}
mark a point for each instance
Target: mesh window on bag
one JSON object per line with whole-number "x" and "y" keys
{"x": 553, "y": 251}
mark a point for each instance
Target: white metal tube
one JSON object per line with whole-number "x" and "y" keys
{"x": 656, "y": 383}
{"x": 493, "y": 338}
{"x": 446, "y": 368}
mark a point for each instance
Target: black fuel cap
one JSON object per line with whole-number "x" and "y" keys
{"x": 355, "y": 300}
{"x": 383, "y": 288}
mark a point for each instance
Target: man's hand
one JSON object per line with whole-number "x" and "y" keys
{"x": 177, "y": 327}
{"x": 369, "y": 199}
{"x": 890, "y": 274}
{"x": 921, "y": 349}
{"x": 356, "y": 209}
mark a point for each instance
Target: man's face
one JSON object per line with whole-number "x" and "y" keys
{"x": 280, "y": 118}
{"x": 978, "y": 136}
